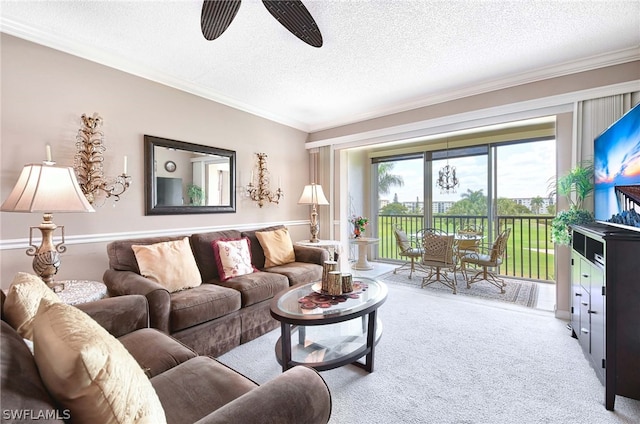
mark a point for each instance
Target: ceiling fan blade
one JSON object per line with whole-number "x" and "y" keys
{"x": 217, "y": 16}
{"x": 296, "y": 18}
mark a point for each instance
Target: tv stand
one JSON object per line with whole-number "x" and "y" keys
{"x": 605, "y": 305}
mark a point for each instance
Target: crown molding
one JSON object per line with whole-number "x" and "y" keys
{"x": 114, "y": 61}
{"x": 552, "y": 105}
{"x": 57, "y": 42}
{"x": 567, "y": 68}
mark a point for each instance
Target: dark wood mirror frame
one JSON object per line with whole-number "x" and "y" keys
{"x": 174, "y": 150}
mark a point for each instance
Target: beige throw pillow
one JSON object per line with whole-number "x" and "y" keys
{"x": 88, "y": 371}
{"x": 277, "y": 246}
{"x": 170, "y": 264}
{"x": 22, "y": 302}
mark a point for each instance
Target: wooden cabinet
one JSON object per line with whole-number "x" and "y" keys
{"x": 605, "y": 305}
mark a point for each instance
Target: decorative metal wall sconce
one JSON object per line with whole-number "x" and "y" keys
{"x": 88, "y": 164}
{"x": 259, "y": 191}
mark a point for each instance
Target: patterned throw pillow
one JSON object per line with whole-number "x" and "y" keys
{"x": 233, "y": 257}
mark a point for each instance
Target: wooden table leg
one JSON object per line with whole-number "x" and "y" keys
{"x": 286, "y": 345}
{"x": 371, "y": 341}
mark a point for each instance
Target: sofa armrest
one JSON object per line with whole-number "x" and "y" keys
{"x": 311, "y": 255}
{"x": 120, "y": 283}
{"x": 119, "y": 315}
{"x": 300, "y": 396}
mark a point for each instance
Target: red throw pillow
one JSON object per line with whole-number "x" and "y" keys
{"x": 233, "y": 257}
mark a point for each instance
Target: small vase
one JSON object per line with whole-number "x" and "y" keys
{"x": 356, "y": 232}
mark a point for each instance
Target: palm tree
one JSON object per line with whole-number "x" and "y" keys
{"x": 386, "y": 179}
{"x": 536, "y": 204}
{"x": 474, "y": 197}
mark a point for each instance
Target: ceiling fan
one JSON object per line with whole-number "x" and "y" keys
{"x": 218, "y": 14}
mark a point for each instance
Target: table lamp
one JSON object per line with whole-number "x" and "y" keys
{"x": 46, "y": 188}
{"x": 314, "y": 196}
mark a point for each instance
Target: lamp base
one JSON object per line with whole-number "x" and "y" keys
{"x": 46, "y": 258}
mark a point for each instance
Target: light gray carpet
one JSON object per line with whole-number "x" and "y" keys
{"x": 519, "y": 292}
{"x": 453, "y": 359}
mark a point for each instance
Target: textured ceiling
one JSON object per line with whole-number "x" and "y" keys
{"x": 378, "y": 57}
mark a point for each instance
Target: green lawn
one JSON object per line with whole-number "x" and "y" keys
{"x": 530, "y": 251}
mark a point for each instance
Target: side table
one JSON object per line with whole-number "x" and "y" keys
{"x": 75, "y": 292}
{"x": 332, "y": 246}
{"x": 363, "y": 243}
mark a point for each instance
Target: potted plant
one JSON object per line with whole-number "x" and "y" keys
{"x": 196, "y": 194}
{"x": 575, "y": 186}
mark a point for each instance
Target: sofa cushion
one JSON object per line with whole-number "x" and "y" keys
{"x": 298, "y": 272}
{"x": 203, "y": 251}
{"x": 167, "y": 352}
{"x": 22, "y": 302}
{"x": 201, "y": 304}
{"x": 233, "y": 258}
{"x": 258, "y": 286}
{"x": 88, "y": 371}
{"x": 170, "y": 264}
{"x": 195, "y": 388}
{"x": 22, "y": 387}
{"x": 277, "y": 246}
{"x": 121, "y": 256}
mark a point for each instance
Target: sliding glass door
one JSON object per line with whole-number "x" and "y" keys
{"x": 496, "y": 186}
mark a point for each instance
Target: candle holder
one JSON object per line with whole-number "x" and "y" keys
{"x": 260, "y": 191}
{"x": 88, "y": 164}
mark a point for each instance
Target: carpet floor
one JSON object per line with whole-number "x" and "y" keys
{"x": 519, "y": 292}
{"x": 454, "y": 359}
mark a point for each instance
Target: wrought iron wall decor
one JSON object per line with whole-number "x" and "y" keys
{"x": 260, "y": 191}
{"x": 88, "y": 164}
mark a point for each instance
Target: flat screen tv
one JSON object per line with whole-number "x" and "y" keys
{"x": 616, "y": 163}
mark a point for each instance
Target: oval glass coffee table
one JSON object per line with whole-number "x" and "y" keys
{"x": 329, "y": 331}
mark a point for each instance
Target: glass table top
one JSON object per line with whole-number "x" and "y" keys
{"x": 303, "y": 303}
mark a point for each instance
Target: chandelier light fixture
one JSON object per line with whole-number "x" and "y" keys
{"x": 88, "y": 164}
{"x": 447, "y": 179}
{"x": 260, "y": 191}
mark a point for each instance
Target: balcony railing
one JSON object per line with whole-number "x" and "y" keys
{"x": 530, "y": 250}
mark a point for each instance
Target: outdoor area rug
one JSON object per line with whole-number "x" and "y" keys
{"x": 519, "y": 292}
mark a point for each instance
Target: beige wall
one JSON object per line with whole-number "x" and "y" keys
{"x": 44, "y": 93}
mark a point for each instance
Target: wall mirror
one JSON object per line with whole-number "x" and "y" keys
{"x": 185, "y": 178}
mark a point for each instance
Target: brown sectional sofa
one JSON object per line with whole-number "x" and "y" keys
{"x": 190, "y": 388}
{"x": 216, "y": 316}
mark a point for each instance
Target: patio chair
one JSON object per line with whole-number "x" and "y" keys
{"x": 486, "y": 257}
{"x": 408, "y": 249}
{"x": 438, "y": 259}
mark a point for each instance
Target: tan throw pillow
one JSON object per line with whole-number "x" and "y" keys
{"x": 170, "y": 264}
{"x": 22, "y": 302}
{"x": 88, "y": 371}
{"x": 233, "y": 257}
{"x": 277, "y": 246}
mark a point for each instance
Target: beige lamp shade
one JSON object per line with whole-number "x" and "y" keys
{"x": 46, "y": 188}
{"x": 313, "y": 195}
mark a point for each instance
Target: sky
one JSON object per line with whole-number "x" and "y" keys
{"x": 524, "y": 170}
